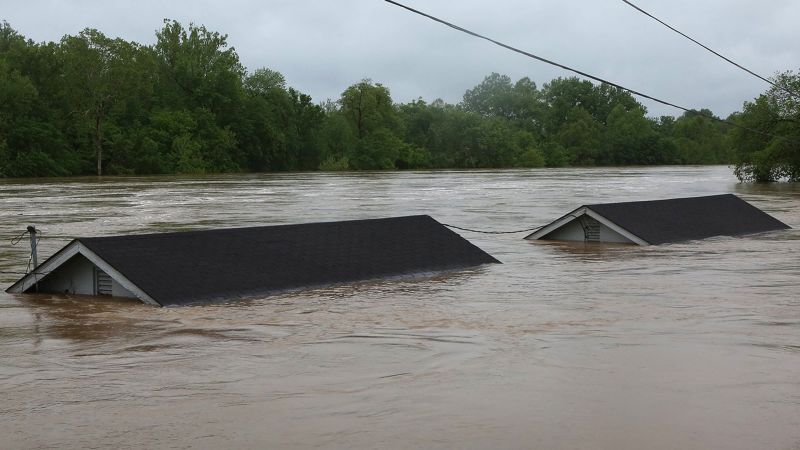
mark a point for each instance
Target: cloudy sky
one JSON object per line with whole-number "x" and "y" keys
{"x": 322, "y": 46}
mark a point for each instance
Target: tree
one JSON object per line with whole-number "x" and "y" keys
{"x": 306, "y": 123}
{"x": 338, "y": 142}
{"x": 199, "y": 68}
{"x": 99, "y": 72}
{"x": 377, "y": 151}
{"x": 261, "y": 125}
{"x": 94, "y": 104}
{"x": 368, "y": 107}
{"x": 701, "y": 139}
{"x": 31, "y": 143}
{"x": 368, "y": 110}
{"x": 263, "y": 80}
{"x": 493, "y": 97}
{"x": 497, "y": 96}
{"x": 767, "y": 147}
{"x": 580, "y": 136}
{"x": 630, "y": 138}
{"x": 27, "y": 145}
{"x": 562, "y": 97}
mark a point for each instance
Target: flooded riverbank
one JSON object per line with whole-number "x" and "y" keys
{"x": 692, "y": 345}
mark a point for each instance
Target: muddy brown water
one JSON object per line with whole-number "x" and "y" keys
{"x": 692, "y": 346}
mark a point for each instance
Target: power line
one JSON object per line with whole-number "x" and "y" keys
{"x": 784, "y": 88}
{"x": 494, "y": 232}
{"x": 579, "y": 72}
{"x": 539, "y": 58}
{"x": 527, "y": 230}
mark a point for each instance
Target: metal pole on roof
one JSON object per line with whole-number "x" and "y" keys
{"x": 34, "y": 258}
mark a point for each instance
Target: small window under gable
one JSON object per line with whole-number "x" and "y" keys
{"x": 587, "y": 229}
{"x": 102, "y": 283}
{"x": 591, "y": 229}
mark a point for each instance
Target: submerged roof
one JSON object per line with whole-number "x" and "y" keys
{"x": 202, "y": 266}
{"x": 680, "y": 219}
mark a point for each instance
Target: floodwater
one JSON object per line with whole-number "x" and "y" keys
{"x": 687, "y": 346}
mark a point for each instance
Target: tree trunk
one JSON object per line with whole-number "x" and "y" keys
{"x": 98, "y": 144}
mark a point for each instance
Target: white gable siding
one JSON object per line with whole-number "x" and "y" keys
{"x": 574, "y": 231}
{"x": 117, "y": 290}
{"x": 609, "y": 235}
{"x": 77, "y": 276}
{"x": 571, "y": 231}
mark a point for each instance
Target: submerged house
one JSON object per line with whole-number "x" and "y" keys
{"x": 180, "y": 268}
{"x": 660, "y": 221}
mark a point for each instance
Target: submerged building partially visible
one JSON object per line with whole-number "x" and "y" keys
{"x": 660, "y": 221}
{"x": 181, "y": 268}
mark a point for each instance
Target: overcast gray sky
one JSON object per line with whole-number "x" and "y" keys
{"x": 322, "y": 46}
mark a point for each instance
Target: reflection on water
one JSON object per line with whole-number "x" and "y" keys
{"x": 691, "y": 345}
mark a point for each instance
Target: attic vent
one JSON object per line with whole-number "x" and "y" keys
{"x": 591, "y": 229}
{"x": 102, "y": 282}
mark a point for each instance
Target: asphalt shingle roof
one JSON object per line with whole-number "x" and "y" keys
{"x": 205, "y": 266}
{"x": 684, "y": 219}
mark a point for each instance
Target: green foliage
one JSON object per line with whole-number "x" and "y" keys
{"x": 92, "y": 104}
{"x": 199, "y": 69}
{"x": 377, "y": 151}
{"x": 339, "y": 139}
{"x": 29, "y": 146}
{"x": 368, "y": 107}
{"x": 630, "y": 139}
{"x": 334, "y": 164}
{"x": 5, "y": 160}
{"x": 580, "y": 135}
{"x": 555, "y": 155}
{"x": 363, "y": 132}
{"x": 493, "y": 97}
{"x": 263, "y": 81}
{"x": 774, "y": 154}
{"x": 99, "y": 78}
{"x": 531, "y": 157}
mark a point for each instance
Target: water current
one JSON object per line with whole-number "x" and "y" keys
{"x": 564, "y": 346}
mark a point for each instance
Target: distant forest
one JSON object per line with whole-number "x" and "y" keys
{"x": 90, "y": 104}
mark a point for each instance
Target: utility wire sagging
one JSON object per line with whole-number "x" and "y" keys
{"x": 581, "y": 73}
{"x": 781, "y": 87}
{"x": 527, "y": 230}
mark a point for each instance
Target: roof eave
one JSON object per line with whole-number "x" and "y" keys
{"x": 585, "y": 210}
{"x": 556, "y": 224}
{"x": 602, "y": 219}
{"x": 39, "y": 272}
{"x": 65, "y": 254}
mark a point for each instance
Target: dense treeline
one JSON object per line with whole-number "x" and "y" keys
{"x": 768, "y": 144}
{"x": 92, "y": 104}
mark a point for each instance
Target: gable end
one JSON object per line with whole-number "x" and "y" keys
{"x": 96, "y": 278}
{"x": 586, "y": 225}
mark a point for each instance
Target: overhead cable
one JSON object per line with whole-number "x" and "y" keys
{"x": 539, "y": 58}
{"x": 579, "y": 72}
{"x": 779, "y": 86}
{"x": 494, "y": 232}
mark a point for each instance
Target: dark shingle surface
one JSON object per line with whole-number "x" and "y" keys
{"x": 203, "y": 266}
{"x": 684, "y": 219}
